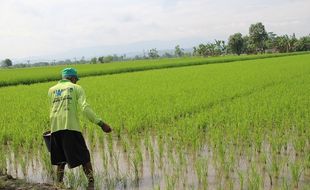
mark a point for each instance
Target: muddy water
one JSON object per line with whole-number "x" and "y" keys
{"x": 162, "y": 166}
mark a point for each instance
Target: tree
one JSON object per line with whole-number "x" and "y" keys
{"x": 67, "y": 61}
{"x": 285, "y": 43}
{"x": 303, "y": 44}
{"x": 201, "y": 50}
{"x": 195, "y": 51}
{"x": 82, "y": 60}
{"x": 292, "y": 43}
{"x": 178, "y": 52}
{"x": 153, "y": 53}
{"x": 137, "y": 57}
{"x": 248, "y": 45}
{"x": 93, "y": 60}
{"x": 6, "y": 63}
{"x": 167, "y": 55}
{"x": 220, "y": 47}
{"x": 210, "y": 49}
{"x": 258, "y": 36}
{"x": 106, "y": 59}
{"x": 205, "y": 50}
{"x": 187, "y": 54}
{"x": 271, "y": 41}
{"x": 100, "y": 59}
{"x": 281, "y": 44}
{"x": 235, "y": 43}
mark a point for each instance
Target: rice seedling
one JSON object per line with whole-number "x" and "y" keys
{"x": 201, "y": 166}
{"x": 296, "y": 171}
{"x": 254, "y": 179}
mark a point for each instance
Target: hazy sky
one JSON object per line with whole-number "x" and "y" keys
{"x": 45, "y": 27}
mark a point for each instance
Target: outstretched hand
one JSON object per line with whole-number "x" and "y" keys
{"x": 105, "y": 127}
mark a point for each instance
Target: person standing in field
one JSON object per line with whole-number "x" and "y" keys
{"x": 67, "y": 143}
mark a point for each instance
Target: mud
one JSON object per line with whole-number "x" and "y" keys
{"x": 7, "y": 182}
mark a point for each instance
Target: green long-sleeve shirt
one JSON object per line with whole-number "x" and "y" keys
{"x": 65, "y": 99}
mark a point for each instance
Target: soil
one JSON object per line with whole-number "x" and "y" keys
{"x": 7, "y": 182}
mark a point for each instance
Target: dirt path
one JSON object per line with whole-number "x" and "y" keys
{"x": 7, "y": 182}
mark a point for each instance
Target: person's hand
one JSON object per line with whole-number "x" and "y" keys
{"x": 105, "y": 127}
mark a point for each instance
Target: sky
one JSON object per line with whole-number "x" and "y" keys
{"x": 50, "y": 28}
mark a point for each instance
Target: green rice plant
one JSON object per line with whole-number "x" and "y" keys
{"x": 229, "y": 184}
{"x": 262, "y": 160}
{"x": 201, "y": 168}
{"x": 152, "y": 160}
{"x": 46, "y": 163}
{"x": 181, "y": 157}
{"x": 98, "y": 180}
{"x": 299, "y": 145}
{"x": 105, "y": 162}
{"x": 91, "y": 137}
{"x": 254, "y": 179}
{"x": 109, "y": 182}
{"x": 274, "y": 168}
{"x": 307, "y": 163}
{"x": 170, "y": 182}
{"x": 3, "y": 164}
{"x": 285, "y": 185}
{"x": 170, "y": 154}
{"x": 275, "y": 145}
{"x": 110, "y": 145}
{"x": 160, "y": 151}
{"x": 258, "y": 137}
{"x": 136, "y": 160}
{"x": 147, "y": 142}
{"x": 23, "y": 161}
{"x": 124, "y": 143}
{"x": 75, "y": 179}
{"x": 296, "y": 172}
{"x": 115, "y": 165}
{"x": 156, "y": 187}
{"x": 241, "y": 176}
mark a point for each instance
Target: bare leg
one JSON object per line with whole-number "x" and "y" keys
{"x": 88, "y": 170}
{"x": 60, "y": 172}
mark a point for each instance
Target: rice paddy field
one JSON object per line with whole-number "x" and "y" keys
{"x": 9, "y": 77}
{"x": 243, "y": 123}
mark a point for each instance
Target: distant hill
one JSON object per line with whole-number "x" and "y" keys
{"x": 131, "y": 50}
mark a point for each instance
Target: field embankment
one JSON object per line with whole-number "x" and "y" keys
{"x": 7, "y": 182}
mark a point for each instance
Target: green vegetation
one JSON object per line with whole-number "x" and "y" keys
{"x": 257, "y": 41}
{"x": 6, "y": 63}
{"x": 240, "y": 125}
{"x": 9, "y": 77}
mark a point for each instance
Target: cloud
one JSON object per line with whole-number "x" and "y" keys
{"x": 36, "y": 27}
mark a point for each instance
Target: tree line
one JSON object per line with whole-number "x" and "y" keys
{"x": 257, "y": 41}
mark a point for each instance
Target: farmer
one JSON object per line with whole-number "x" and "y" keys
{"x": 67, "y": 143}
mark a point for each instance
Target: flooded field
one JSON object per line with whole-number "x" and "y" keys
{"x": 159, "y": 163}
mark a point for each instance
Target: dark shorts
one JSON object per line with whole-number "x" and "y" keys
{"x": 69, "y": 147}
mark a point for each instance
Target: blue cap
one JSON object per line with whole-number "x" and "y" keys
{"x": 69, "y": 72}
